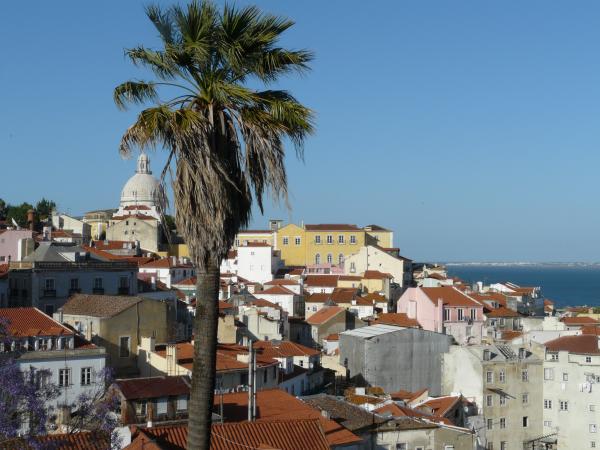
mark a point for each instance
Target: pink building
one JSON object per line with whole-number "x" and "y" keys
{"x": 445, "y": 310}
{"x": 13, "y": 246}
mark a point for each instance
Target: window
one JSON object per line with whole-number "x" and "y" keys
{"x": 265, "y": 374}
{"x": 340, "y": 239}
{"x": 297, "y": 240}
{"x": 490, "y": 424}
{"x": 329, "y": 258}
{"x": 64, "y": 377}
{"x": 502, "y": 423}
{"x": 547, "y": 404}
{"x": 330, "y": 238}
{"x": 49, "y": 283}
{"x": 341, "y": 259}
{"x": 592, "y": 408}
{"x": 553, "y": 356}
{"x": 446, "y": 314}
{"x": 140, "y": 408}
{"x": 524, "y": 375}
{"x": 74, "y": 283}
{"x": 318, "y": 239}
{"x": 318, "y": 258}
{"x": 490, "y": 446}
{"x": 161, "y": 406}
{"x": 564, "y": 405}
{"x": 525, "y": 398}
{"x": 502, "y": 376}
{"x": 489, "y": 400}
{"x": 592, "y": 427}
{"x": 503, "y": 445}
{"x": 401, "y": 446}
{"x": 86, "y": 376}
{"x": 182, "y": 403}
{"x": 460, "y": 314}
{"x": 547, "y": 423}
{"x": 286, "y": 240}
{"x": 502, "y": 400}
{"x": 486, "y": 355}
{"x": 352, "y": 239}
{"x": 489, "y": 376}
{"x": 592, "y": 444}
{"x": 588, "y": 359}
{"x": 124, "y": 343}
{"x": 237, "y": 242}
{"x": 525, "y": 421}
{"x": 473, "y": 313}
{"x": 548, "y": 374}
{"x": 565, "y": 376}
{"x": 98, "y": 283}
{"x": 352, "y": 267}
{"x": 123, "y": 282}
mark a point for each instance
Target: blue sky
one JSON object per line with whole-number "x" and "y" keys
{"x": 470, "y": 128}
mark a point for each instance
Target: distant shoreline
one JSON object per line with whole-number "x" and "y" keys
{"x": 524, "y": 264}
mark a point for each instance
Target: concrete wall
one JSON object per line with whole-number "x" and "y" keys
{"x": 409, "y": 359}
{"x": 9, "y": 244}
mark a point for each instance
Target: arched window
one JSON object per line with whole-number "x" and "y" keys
{"x": 318, "y": 258}
{"x": 329, "y": 258}
{"x": 341, "y": 259}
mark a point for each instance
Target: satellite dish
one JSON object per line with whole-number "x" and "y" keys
{"x": 14, "y": 222}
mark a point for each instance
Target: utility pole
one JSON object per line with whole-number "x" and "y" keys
{"x": 250, "y": 382}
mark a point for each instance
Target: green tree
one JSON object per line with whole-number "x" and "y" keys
{"x": 44, "y": 208}
{"x": 18, "y": 213}
{"x": 3, "y": 209}
{"x": 225, "y": 139}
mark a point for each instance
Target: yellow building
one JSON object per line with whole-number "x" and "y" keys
{"x": 379, "y": 236}
{"x": 325, "y": 244}
{"x": 246, "y": 236}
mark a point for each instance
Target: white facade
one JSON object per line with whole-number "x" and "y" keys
{"x": 65, "y": 222}
{"x": 255, "y": 262}
{"x": 173, "y": 272}
{"x": 290, "y": 303}
{"x": 572, "y": 399}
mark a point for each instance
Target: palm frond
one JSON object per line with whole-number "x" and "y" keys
{"x": 136, "y": 92}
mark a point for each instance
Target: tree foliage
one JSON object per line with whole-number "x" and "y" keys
{"x": 18, "y": 213}
{"x": 44, "y": 208}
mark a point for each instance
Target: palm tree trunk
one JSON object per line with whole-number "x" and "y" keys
{"x": 205, "y": 354}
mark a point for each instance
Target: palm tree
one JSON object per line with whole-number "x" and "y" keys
{"x": 224, "y": 139}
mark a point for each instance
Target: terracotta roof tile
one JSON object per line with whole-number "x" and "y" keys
{"x": 331, "y": 227}
{"x": 276, "y": 290}
{"x": 332, "y": 337}
{"x": 591, "y": 329}
{"x": 321, "y": 280}
{"x": 153, "y": 387}
{"x": 290, "y": 434}
{"x": 450, "y": 296}
{"x": 275, "y": 404}
{"x": 375, "y": 275}
{"x": 584, "y": 344}
{"x": 283, "y": 349}
{"x": 31, "y": 322}
{"x": 324, "y": 314}
{"x": 579, "y": 320}
{"x": 441, "y": 405}
{"x": 397, "y": 319}
{"x": 281, "y": 282}
{"x": 503, "y": 312}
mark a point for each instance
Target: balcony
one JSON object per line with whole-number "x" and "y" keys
{"x": 124, "y": 290}
{"x": 49, "y": 293}
{"x": 99, "y": 291}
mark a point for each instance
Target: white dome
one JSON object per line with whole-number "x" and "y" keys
{"x": 142, "y": 188}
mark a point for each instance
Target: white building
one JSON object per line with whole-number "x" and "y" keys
{"x": 39, "y": 343}
{"x": 372, "y": 257}
{"x": 254, "y": 261}
{"x": 65, "y": 222}
{"x": 168, "y": 270}
{"x": 572, "y": 392}
{"x": 291, "y": 302}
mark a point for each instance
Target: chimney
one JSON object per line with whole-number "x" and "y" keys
{"x": 31, "y": 219}
{"x": 171, "y": 359}
{"x": 153, "y": 282}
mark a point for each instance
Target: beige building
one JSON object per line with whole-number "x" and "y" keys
{"x": 372, "y": 258}
{"x": 117, "y": 323}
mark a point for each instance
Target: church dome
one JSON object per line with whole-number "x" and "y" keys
{"x": 142, "y": 188}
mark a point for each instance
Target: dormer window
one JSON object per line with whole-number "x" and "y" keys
{"x": 486, "y": 355}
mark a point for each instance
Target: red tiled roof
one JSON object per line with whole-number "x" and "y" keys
{"x": 318, "y": 297}
{"x": 255, "y": 232}
{"x": 83, "y": 440}
{"x": 349, "y": 278}
{"x": 112, "y": 245}
{"x": 134, "y": 216}
{"x": 281, "y": 282}
{"x": 509, "y": 335}
{"x": 579, "y": 320}
{"x": 284, "y": 349}
{"x": 31, "y": 322}
{"x": 153, "y": 387}
{"x": 262, "y": 303}
{"x": 489, "y": 296}
{"x": 137, "y": 207}
{"x": 275, "y": 404}
{"x": 449, "y": 296}
{"x": 331, "y": 227}
{"x": 591, "y": 329}
{"x": 333, "y": 337}
{"x": 191, "y": 281}
{"x": 289, "y": 434}
{"x": 346, "y": 295}
{"x": 164, "y": 263}
{"x": 585, "y": 344}
{"x": 503, "y": 312}
{"x": 375, "y": 275}
{"x": 321, "y": 280}
{"x": 397, "y": 319}
{"x": 323, "y": 315}
{"x": 255, "y": 244}
{"x": 441, "y": 405}
{"x": 276, "y": 290}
